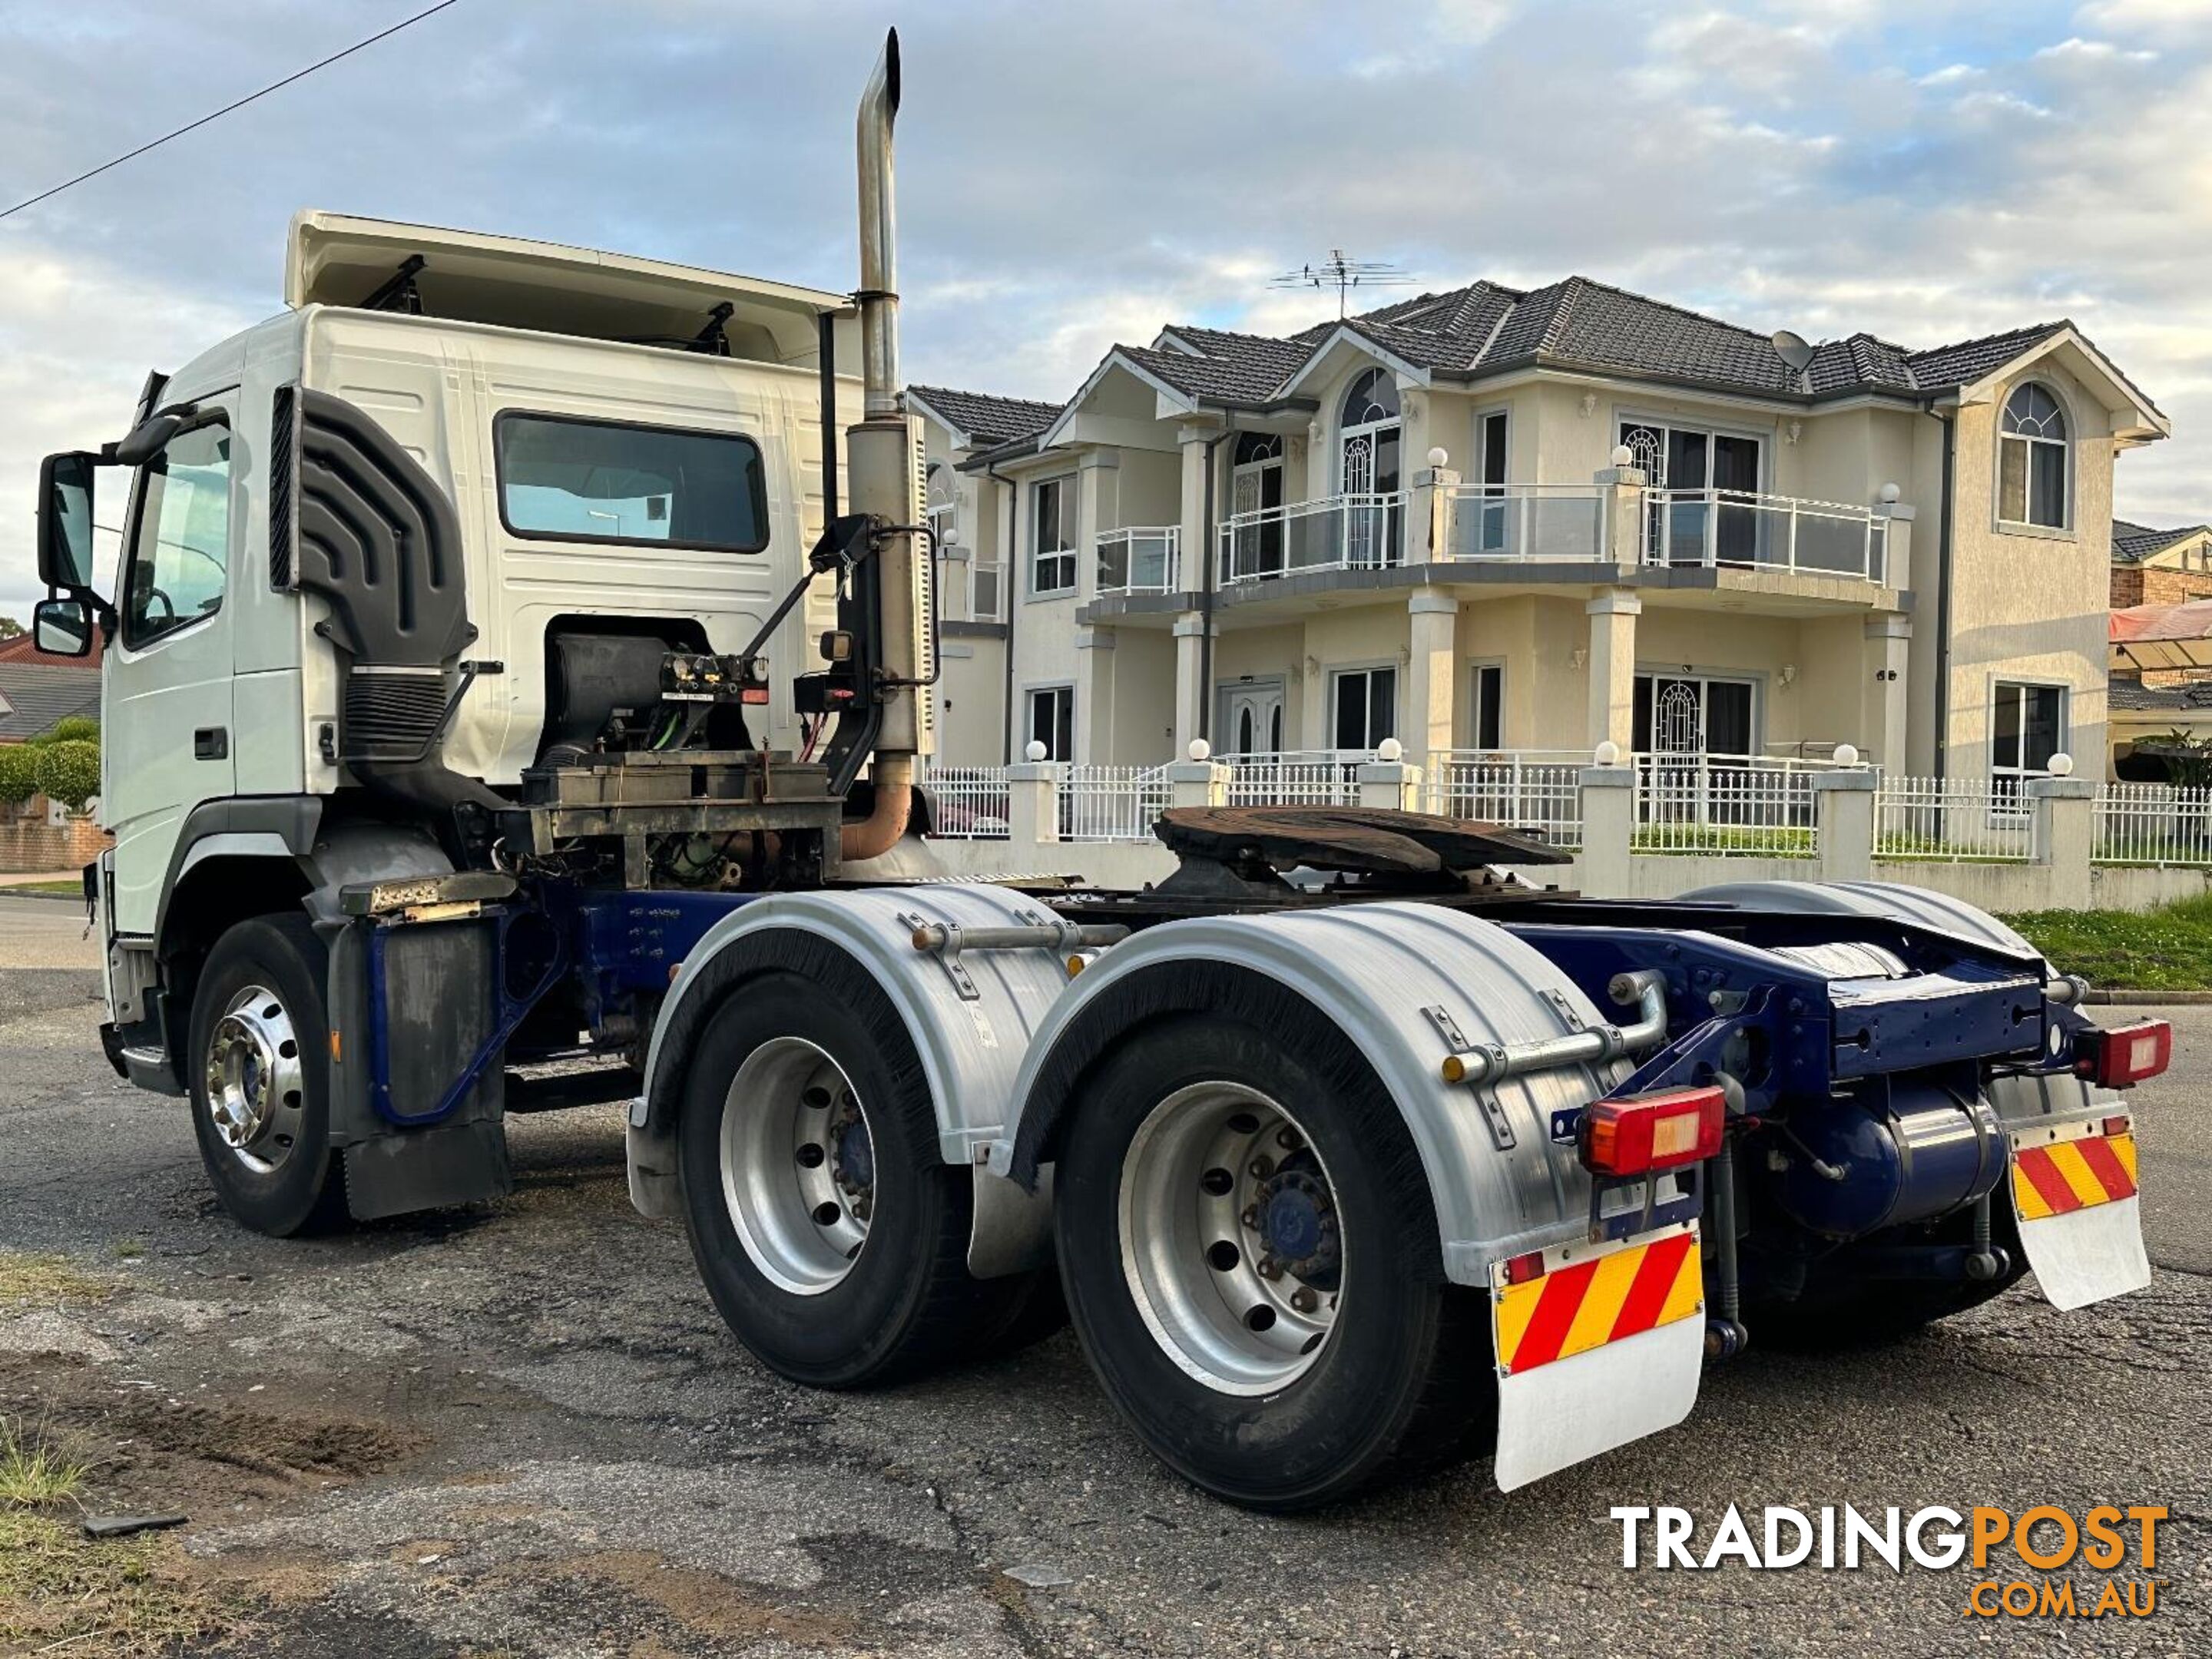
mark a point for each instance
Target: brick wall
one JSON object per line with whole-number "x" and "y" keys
{"x": 29, "y": 845}
{"x": 2135, "y": 584}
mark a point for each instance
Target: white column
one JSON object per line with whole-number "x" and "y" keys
{"x": 1198, "y": 781}
{"x": 2065, "y": 810}
{"x": 1094, "y": 696}
{"x": 1612, "y": 707}
{"x": 1621, "y": 489}
{"x": 1608, "y": 809}
{"x": 1190, "y": 629}
{"x": 1431, "y": 677}
{"x": 1191, "y": 443}
{"x": 1897, "y": 571}
{"x": 1097, "y": 507}
{"x": 1032, "y": 803}
{"x": 1387, "y": 781}
{"x": 1843, "y": 808}
{"x": 1886, "y": 662}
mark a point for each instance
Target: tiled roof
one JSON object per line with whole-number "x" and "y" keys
{"x": 38, "y": 697}
{"x": 2125, "y": 692}
{"x": 988, "y": 420}
{"x": 1968, "y": 361}
{"x": 2134, "y": 542}
{"x": 23, "y": 647}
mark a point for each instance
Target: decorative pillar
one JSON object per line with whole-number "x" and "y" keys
{"x": 1094, "y": 696}
{"x": 1433, "y": 626}
{"x": 2065, "y": 809}
{"x": 1190, "y": 631}
{"x": 1097, "y": 507}
{"x": 1032, "y": 799}
{"x": 1897, "y": 559}
{"x": 1886, "y": 660}
{"x": 1201, "y": 781}
{"x": 1387, "y": 781}
{"x": 1191, "y": 443}
{"x": 1843, "y": 810}
{"x": 1620, "y": 487}
{"x": 1612, "y": 705}
{"x": 1608, "y": 812}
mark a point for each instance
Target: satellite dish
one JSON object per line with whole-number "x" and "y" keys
{"x": 1793, "y": 348}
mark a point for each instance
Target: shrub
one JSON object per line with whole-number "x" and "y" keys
{"x": 19, "y": 773}
{"x": 77, "y": 728}
{"x": 69, "y": 771}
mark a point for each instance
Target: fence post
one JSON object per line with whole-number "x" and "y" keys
{"x": 1608, "y": 793}
{"x": 1843, "y": 813}
{"x": 1387, "y": 781}
{"x": 2065, "y": 809}
{"x": 1198, "y": 781}
{"x": 1032, "y": 798}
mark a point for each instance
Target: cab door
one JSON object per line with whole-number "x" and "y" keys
{"x": 167, "y": 738}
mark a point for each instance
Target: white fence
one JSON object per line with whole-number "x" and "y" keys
{"x": 2153, "y": 823}
{"x": 1140, "y": 559}
{"x": 1958, "y": 820}
{"x": 1534, "y": 792}
{"x": 967, "y": 803}
{"x": 1304, "y": 777}
{"x": 1733, "y": 806}
{"x": 1334, "y": 533}
{"x": 1111, "y": 803}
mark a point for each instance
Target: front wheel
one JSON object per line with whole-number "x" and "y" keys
{"x": 260, "y": 1078}
{"x": 1251, "y": 1261}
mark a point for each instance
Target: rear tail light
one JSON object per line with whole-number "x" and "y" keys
{"x": 2124, "y": 1055}
{"x": 2118, "y": 1126}
{"x": 1523, "y": 1268}
{"x": 755, "y": 695}
{"x": 1658, "y": 1131}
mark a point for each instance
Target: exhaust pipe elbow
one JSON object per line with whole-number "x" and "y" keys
{"x": 877, "y": 834}
{"x": 878, "y": 291}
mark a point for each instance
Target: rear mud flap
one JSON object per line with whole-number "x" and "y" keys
{"x": 2081, "y": 1222}
{"x": 1605, "y": 1347}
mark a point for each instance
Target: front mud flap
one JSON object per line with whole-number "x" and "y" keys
{"x": 1606, "y": 1346}
{"x": 2081, "y": 1222}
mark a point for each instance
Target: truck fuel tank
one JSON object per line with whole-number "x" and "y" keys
{"x": 1888, "y": 1153}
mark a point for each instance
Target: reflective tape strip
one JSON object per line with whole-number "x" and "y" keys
{"x": 2072, "y": 1175}
{"x": 1574, "y": 1308}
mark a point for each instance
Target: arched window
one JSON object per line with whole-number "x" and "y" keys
{"x": 1253, "y": 447}
{"x": 942, "y": 505}
{"x": 1373, "y": 398}
{"x": 2032, "y": 458}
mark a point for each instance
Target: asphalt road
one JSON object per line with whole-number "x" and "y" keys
{"x": 522, "y": 1430}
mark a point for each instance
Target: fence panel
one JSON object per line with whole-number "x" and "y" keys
{"x": 1958, "y": 820}
{"x": 1310, "y": 777}
{"x": 1534, "y": 792}
{"x": 1111, "y": 803}
{"x": 2153, "y": 823}
{"x": 1731, "y": 806}
{"x": 967, "y": 803}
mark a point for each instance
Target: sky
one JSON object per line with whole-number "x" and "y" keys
{"x": 1074, "y": 175}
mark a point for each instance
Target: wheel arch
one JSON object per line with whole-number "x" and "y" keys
{"x": 1374, "y": 971}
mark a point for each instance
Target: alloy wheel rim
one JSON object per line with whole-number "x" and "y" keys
{"x": 797, "y": 1165}
{"x": 255, "y": 1080}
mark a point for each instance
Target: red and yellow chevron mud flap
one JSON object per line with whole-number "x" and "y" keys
{"x": 1603, "y": 1346}
{"x": 2074, "y": 1190}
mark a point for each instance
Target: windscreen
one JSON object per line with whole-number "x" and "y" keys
{"x": 602, "y": 481}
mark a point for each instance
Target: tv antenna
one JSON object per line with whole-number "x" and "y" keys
{"x": 1344, "y": 273}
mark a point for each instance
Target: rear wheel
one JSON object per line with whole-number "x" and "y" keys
{"x": 828, "y": 1228}
{"x": 1251, "y": 1261}
{"x": 259, "y": 1078}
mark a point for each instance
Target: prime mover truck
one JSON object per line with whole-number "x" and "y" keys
{"x": 512, "y": 667}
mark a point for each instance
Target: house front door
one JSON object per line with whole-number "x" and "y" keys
{"x": 1252, "y": 718}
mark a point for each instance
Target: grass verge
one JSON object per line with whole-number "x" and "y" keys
{"x": 38, "y": 1467}
{"x": 25, "y": 1277}
{"x": 118, "y": 1599}
{"x": 2168, "y": 949}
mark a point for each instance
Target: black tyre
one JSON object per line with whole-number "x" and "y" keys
{"x": 258, "y": 1071}
{"x": 1251, "y": 1262}
{"x": 828, "y": 1228}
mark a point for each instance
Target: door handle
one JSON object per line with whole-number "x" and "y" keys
{"x": 211, "y": 742}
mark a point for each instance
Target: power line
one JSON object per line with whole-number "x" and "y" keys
{"x": 193, "y": 126}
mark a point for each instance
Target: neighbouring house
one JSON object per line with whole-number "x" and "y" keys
{"x": 39, "y": 691}
{"x": 1533, "y": 521}
{"x": 2160, "y": 566}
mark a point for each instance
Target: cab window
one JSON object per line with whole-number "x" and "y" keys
{"x": 576, "y": 480}
{"x": 180, "y": 545}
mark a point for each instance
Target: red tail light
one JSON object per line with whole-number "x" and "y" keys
{"x": 755, "y": 695}
{"x": 2125, "y": 1056}
{"x": 1523, "y": 1268}
{"x": 1657, "y": 1131}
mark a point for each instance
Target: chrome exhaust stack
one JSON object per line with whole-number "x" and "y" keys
{"x": 880, "y": 466}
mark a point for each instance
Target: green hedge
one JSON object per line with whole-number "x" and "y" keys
{"x": 19, "y": 773}
{"x": 68, "y": 771}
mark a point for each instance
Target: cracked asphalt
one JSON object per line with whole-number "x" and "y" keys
{"x": 521, "y": 1430}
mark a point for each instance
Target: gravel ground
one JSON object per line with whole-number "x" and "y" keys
{"x": 521, "y": 1430}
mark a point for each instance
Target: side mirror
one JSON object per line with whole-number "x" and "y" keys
{"x": 65, "y": 520}
{"x": 63, "y": 628}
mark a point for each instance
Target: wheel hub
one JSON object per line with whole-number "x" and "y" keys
{"x": 1297, "y": 1224}
{"x": 254, "y": 1079}
{"x": 798, "y": 1165}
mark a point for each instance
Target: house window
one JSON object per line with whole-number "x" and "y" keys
{"x": 1370, "y": 471}
{"x": 944, "y": 507}
{"x": 2031, "y": 460}
{"x": 1486, "y": 722}
{"x": 1693, "y": 714}
{"x": 1255, "y": 497}
{"x": 1700, "y": 508}
{"x": 2027, "y": 726}
{"x": 1490, "y": 436}
{"x": 1366, "y": 707}
{"x": 1052, "y": 568}
{"x": 1052, "y": 721}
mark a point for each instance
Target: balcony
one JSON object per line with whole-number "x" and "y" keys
{"x": 1730, "y": 529}
{"x": 1528, "y": 524}
{"x": 1140, "y": 559}
{"x": 1334, "y": 533}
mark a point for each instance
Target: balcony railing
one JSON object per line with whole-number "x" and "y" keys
{"x": 1528, "y": 524}
{"x": 1140, "y": 559}
{"x": 1334, "y": 533}
{"x": 987, "y": 588}
{"x": 1731, "y": 529}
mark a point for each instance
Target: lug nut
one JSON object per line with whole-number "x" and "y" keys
{"x": 1270, "y": 1268}
{"x": 1305, "y": 1300}
{"x": 1287, "y": 1139}
{"x": 1262, "y": 1167}
{"x": 1251, "y": 1217}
